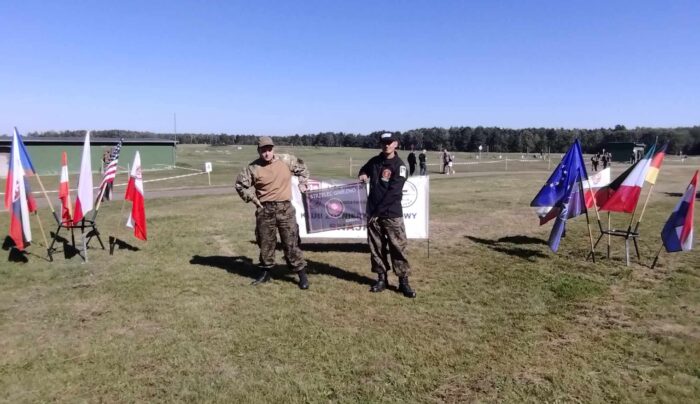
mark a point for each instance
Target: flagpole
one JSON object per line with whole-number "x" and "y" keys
{"x": 38, "y": 178}
{"x": 588, "y": 222}
{"x": 656, "y": 258}
{"x": 609, "y": 235}
{"x": 636, "y": 226}
{"x": 41, "y": 227}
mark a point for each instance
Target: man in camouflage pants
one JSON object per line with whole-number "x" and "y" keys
{"x": 266, "y": 182}
{"x": 386, "y": 233}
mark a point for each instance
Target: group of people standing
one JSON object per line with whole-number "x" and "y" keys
{"x": 602, "y": 157}
{"x": 422, "y": 162}
{"x": 266, "y": 182}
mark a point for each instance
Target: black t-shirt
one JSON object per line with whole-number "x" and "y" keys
{"x": 421, "y": 158}
{"x": 411, "y": 158}
{"x": 386, "y": 179}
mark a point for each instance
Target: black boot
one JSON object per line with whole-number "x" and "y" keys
{"x": 380, "y": 285}
{"x": 262, "y": 278}
{"x": 405, "y": 288}
{"x": 303, "y": 280}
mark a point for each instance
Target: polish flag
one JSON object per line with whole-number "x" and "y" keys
{"x": 625, "y": 190}
{"x": 64, "y": 192}
{"x": 84, "y": 203}
{"x": 596, "y": 183}
{"x": 134, "y": 193}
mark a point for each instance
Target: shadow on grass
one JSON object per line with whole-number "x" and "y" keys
{"x": 524, "y": 253}
{"x": 244, "y": 266}
{"x": 118, "y": 244}
{"x": 323, "y": 247}
{"x": 15, "y": 255}
{"x": 336, "y": 247}
{"x": 69, "y": 250}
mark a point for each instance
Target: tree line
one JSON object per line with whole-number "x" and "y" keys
{"x": 684, "y": 140}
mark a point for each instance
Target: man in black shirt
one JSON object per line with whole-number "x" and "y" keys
{"x": 422, "y": 163}
{"x": 386, "y": 232}
{"x": 411, "y": 162}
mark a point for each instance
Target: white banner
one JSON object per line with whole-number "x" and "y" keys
{"x": 415, "y": 203}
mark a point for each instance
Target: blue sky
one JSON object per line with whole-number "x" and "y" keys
{"x": 286, "y": 67}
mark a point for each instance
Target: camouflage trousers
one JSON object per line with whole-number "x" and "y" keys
{"x": 274, "y": 217}
{"x": 387, "y": 241}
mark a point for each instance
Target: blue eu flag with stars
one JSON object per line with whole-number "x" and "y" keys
{"x": 561, "y": 197}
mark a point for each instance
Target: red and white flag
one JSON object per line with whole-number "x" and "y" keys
{"x": 596, "y": 183}
{"x": 625, "y": 190}
{"x": 84, "y": 203}
{"x": 134, "y": 193}
{"x": 64, "y": 192}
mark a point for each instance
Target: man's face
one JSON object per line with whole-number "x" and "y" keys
{"x": 266, "y": 153}
{"x": 389, "y": 147}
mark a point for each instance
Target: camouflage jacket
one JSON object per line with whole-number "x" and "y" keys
{"x": 245, "y": 182}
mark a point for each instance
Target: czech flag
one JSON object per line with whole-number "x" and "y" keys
{"x": 18, "y": 195}
{"x": 677, "y": 234}
{"x": 134, "y": 193}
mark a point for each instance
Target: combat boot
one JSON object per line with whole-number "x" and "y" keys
{"x": 262, "y": 278}
{"x": 303, "y": 280}
{"x": 380, "y": 285}
{"x": 405, "y": 288}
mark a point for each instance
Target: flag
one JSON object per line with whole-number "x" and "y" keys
{"x": 64, "y": 192}
{"x": 560, "y": 197}
{"x": 655, "y": 165}
{"x": 559, "y": 184}
{"x": 677, "y": 234}
{"x": 111, "y": 168}
{"x": 134, "y": 193}
{"x": 18, "y": 198}
{"x": 596, "y": 188}
{"x": 84, "y": 202}
{"x": 625, "y": 190}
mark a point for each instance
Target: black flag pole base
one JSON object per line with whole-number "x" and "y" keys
{"x": 627, "y": 235}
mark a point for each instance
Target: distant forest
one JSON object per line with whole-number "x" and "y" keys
{"x": 684, "y": 140}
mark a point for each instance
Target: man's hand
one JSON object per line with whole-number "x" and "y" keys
{"x": 303, "y": 188}
{"x": 362, "y": 177}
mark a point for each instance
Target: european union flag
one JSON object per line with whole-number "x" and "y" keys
{"x": 560, "y": 197}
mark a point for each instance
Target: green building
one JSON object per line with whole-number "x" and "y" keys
{"x": 625, "y": 151}
{"x": 46, "y": 153}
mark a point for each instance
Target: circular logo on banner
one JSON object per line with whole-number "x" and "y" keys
{"x": 335, "y": 208}
{"x": 409, "y": 194}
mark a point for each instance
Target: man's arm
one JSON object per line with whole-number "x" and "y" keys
{"x": 244, "y": 186}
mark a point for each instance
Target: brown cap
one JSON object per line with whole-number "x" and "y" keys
{"x": 265, "y": 141}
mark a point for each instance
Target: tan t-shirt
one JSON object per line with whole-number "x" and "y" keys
{"x": 273, "y": 182}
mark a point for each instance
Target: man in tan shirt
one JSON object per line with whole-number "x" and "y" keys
{"x": 266, "y": 182}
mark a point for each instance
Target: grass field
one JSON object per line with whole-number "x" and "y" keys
{"x": 498, "y": 317}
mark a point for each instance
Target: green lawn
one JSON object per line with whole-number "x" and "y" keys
{"x": 498, "y": 316}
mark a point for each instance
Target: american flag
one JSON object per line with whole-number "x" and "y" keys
{"x": 111, "y": 168}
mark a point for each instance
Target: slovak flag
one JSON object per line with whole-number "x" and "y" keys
{"x": 677, "y": 234}
{"x": 84, "y": 202}
{"x": 64, "y": 192}
{"x": 134, "y": 193}
{"x": 18, "y": 199}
